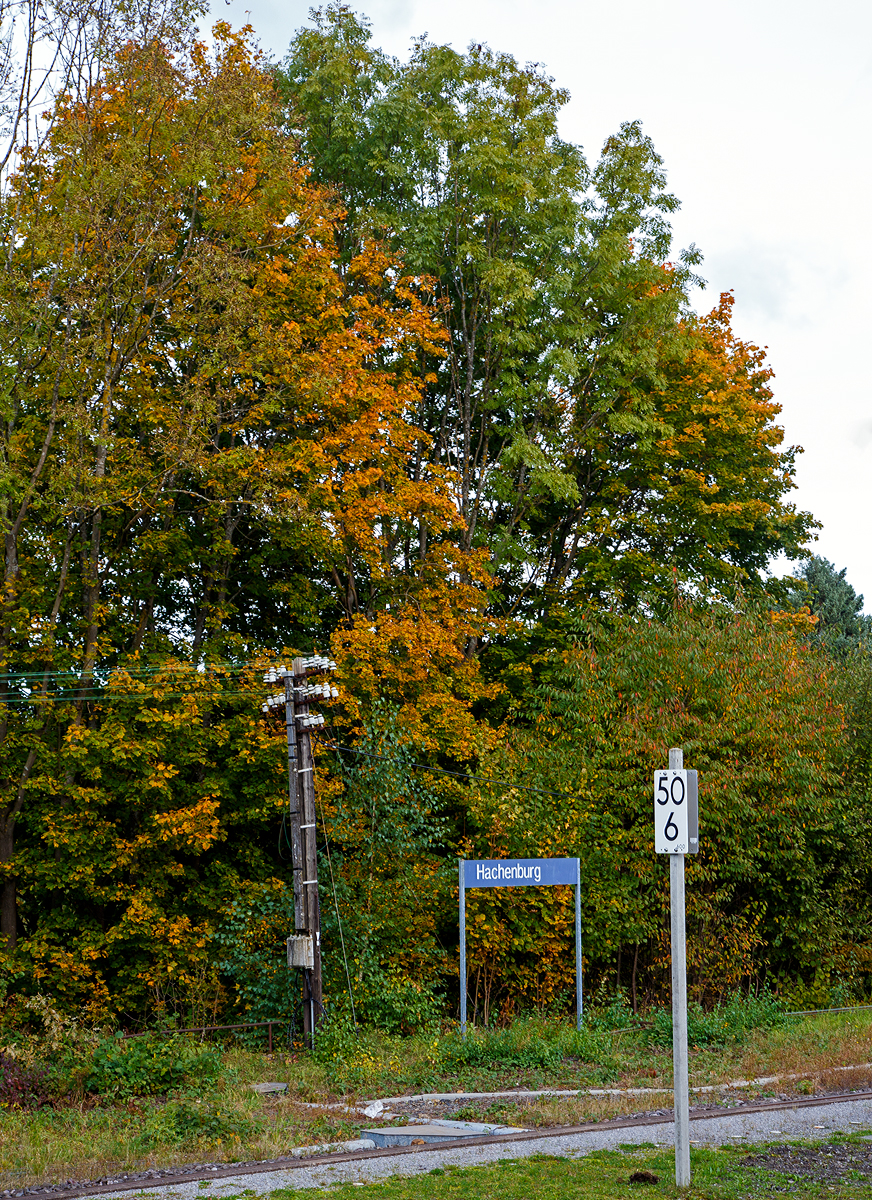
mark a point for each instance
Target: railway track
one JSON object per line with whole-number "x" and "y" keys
{"x": 137, "y": 1181}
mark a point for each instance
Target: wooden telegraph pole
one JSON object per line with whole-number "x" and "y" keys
{"x": 304, "y": 947}
{"x": 312, "y": 989}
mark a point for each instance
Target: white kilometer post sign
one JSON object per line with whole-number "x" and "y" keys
{"x": 676, "y": 833}
{"x": 676, "y": 812}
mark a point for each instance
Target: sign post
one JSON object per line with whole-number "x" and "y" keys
{"x": 676, "y": 833}
{"x": 519, "y": 872}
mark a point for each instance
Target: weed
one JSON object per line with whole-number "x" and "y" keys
{"x": 183, "y": 1121}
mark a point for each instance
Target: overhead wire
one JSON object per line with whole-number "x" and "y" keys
{"x": 169, "y": 668}
{"x": 103, "y": 697}
{"x": 338, "y": 917}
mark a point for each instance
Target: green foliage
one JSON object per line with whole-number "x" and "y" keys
{"x": 338, "y": 1038}
{"x": 730, "y": 1021}
{"x": 193, "y": 1122}
{"x": 169, "y": 820}
{"x": 394, "y": 1002}
{"x": 531, "y": 1043}
{"x": 144, "y": 1066}
{"x": 826, "y": 592}
{"x": 357, "y": 1059}
{"x": 251, "y": 943}
{"x": 232, "y": 426}
{"x": 602, "y": 438}
{"x": 599, "y": 703}
{"x": 384, "y": 829}
{"x": 616, "y": 1014}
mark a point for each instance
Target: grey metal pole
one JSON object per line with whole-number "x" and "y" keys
{"x": 680, "y": 1080}
{"x": 462, "y": 951}
{"x": 579, "y": 1004}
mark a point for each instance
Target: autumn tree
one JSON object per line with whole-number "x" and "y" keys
{"x": 567, "y": 317}
{"x": 363, "y": 353}
{"x": 190, "y": 382}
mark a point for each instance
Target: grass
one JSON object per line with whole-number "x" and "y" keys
{"x": 224, "y": 1120}
{"x": 726, "y": 1174}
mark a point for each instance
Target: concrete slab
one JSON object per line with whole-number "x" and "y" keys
{"x": 265, "y": 1088}
{"x": 436, "y": 1131}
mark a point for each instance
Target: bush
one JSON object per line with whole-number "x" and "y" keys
{"x": 394, "y": 1004}
{"x": 22, "y": 1085}
{"x": 354, "y": 1061}
{"x": 149, "y": 1065}
{"x": 254, "y": 959}
{"x": 729, "y": 1022}
{"x": 617, "y": 1014}
{"x": 529, "y": 1044}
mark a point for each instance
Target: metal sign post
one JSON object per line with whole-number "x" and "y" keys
{"x": 519, "y": 872}
{"x": 676, "y": 833}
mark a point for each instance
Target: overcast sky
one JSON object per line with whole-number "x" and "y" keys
{"x": 761, "y": 110}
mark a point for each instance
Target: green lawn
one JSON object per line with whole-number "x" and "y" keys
{"x": 724, "y": 1174}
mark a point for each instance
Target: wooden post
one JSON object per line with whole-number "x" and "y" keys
{"x": 301, "y": 921}
{"x": 312, "y": 988}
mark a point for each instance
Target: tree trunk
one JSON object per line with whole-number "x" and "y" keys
{"x": 8, "y": 905}
{"x": 8, "y": 898}
{"x": 633, "y": 985}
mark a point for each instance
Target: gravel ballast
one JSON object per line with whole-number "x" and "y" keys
{"x": 734, "y": 1125}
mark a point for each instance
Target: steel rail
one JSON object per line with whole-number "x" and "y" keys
{"x": 298, "y": 1161}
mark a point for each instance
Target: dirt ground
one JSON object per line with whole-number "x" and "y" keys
{"x": 831, "y": 1163}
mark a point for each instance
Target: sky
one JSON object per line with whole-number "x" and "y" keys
{"x": 761, "y": 110}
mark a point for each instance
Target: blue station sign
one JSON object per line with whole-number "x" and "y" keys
{"x": 520, "y": 872}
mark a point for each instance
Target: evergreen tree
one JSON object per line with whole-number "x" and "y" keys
{"x": 841, "y": 622}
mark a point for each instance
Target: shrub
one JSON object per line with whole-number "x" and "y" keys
{"x": 729, "y": 1022}
{"x": 617, "y": 1014}
{"x": 22, "y": 1085}
{"x": 529, "y": 1044}
{"x": 182, "y": 1121}
{"x": 395, "y": 1004}
{"x": 149, "y": 1066}
{"x": 352, "y": 1060}
{"x": 251, "y": 941}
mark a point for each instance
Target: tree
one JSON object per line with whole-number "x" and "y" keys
{"x": 568, "y": 328}
{"x": 838, "y": 609}
{"x": 186, "y": 373}
{"x": 385, "y": 833}
{"x": 699, "y": 492}
{"x": 761, "y": 714}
